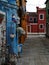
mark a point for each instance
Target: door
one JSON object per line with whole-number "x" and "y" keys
{"x": 28, "y": 28}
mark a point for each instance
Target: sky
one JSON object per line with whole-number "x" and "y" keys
{"x": 32, "y": 4}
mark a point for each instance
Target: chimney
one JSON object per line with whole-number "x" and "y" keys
{"x": 37, "y": 9}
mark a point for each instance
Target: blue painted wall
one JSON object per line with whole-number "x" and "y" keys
{"x": 10, "y": 25}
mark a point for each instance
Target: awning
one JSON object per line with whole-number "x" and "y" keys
{"x": 1, "y": 12}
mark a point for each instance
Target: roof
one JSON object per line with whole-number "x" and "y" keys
{"x": 32, "y": 13}
{"x": 46, "y": 1}
{"x": 40, "y": 8}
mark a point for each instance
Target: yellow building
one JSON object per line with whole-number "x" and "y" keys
{"x": 17, "y": 1}
{"x": 22, "y": 1}
{"x": 23, "y": 21}
{"x": 22, "y": 6}
{"x": 23, "y": 24}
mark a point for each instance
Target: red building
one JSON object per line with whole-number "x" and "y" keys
{"x": 41, "y": 20}
{"x": 36, "y": 21}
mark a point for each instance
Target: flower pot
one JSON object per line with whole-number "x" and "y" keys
{"x": 12, "y": 35}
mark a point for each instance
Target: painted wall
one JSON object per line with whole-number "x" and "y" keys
{"x": 40, "y": 25}
{"x": 41, "y": 11}
{"x": 10, "y": 25}
{"x": 31, "y": 24}
{"x": 23, "y": 19}
{"x": 47, "y": 9}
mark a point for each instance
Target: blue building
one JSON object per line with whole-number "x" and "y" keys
{"x": 10, "y": 8}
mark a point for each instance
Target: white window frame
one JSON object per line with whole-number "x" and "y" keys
{"x": 42, "y": 25}
{"x": 39, "y": 16}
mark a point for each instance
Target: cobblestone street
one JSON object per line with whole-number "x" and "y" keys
{"x": 35, "y": 52}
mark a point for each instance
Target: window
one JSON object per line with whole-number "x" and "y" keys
{"x": 35, "y": 20}
{"x": 30, "y": 19}
{"x": 48, "y": 11}
{"x": 41, "y": 17}
{"x": 41, "y": 26}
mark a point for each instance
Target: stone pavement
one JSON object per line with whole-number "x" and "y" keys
{"x": 35, "y": 52}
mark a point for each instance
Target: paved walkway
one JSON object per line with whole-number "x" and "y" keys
{"x": 35, "y": 52}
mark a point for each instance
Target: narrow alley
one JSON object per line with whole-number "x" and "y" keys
{"x": 35, "y": 52}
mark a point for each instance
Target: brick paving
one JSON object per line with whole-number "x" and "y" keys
{"x": 35, "y": 52}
